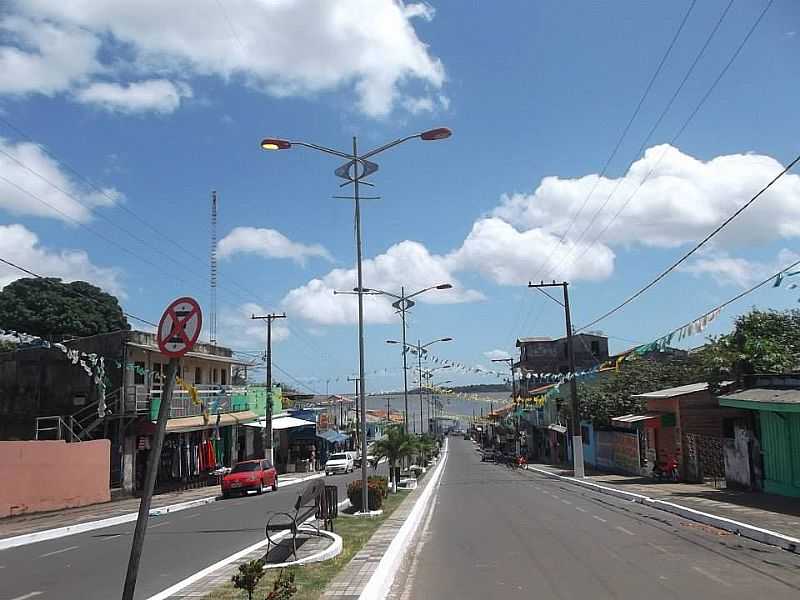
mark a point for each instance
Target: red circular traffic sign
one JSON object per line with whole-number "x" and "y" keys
{"x": 179, "y": 327}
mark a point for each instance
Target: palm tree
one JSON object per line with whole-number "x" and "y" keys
{"x": 395, "y": 445}
{"x": 425, "y": 446}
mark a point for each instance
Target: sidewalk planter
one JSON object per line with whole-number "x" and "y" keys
{"x": 374, "y": 495}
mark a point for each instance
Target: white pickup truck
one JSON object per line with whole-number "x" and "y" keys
{"x": 339, "y": 462}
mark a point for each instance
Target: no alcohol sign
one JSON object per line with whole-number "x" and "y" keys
{"x": 179, "y": 327}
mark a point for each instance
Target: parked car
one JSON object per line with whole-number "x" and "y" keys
{"x": 489, "y": 456}
{"x": 250, "y": 475}
{"x": 339, "y": 462}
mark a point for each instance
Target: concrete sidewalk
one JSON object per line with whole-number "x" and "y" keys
{"x": 27, "y": 524}
{"x": 776, "y": 513}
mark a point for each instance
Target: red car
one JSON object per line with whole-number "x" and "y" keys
{"x": 250, "y": 475}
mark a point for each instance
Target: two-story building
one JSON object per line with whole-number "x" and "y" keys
{"x": 46, "y": 395}
{"x": 540, "y": 355}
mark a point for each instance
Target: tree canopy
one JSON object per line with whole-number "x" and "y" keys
{"x": 51, "y": 309}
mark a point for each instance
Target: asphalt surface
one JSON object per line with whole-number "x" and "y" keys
{"x": 493, "y": 532}
{"x": 92, "y": 565}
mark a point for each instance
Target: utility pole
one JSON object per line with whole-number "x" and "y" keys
{"x": 419, "y": 370}
{"x": 577, "y": 440}
{"x": 266, "y": 436}
{"x": 356, "y": 380}
{"x": 510, "y": 362}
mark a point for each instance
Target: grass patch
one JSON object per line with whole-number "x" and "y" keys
{"x": 312, "y": 579}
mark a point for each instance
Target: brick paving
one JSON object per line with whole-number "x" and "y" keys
{"x": 776, "y": 513}
{"x": 22, "y": 524}
{"x": 351, "y": 580}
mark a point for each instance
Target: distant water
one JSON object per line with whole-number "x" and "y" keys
{"x": 453, "y": 404}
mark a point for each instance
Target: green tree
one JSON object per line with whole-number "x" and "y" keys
{"x": 611, "y": 394}
{"x": 250, "y": 573}
{"x": 395, "y": 445}
{"x": 761, "y": 342}
{"x": 48, "y": 308}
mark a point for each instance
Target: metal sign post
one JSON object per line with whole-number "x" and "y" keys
{"x": 178, "y": 331}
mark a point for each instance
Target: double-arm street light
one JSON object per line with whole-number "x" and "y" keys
{"x": 402, "y": 303}
{"x": 354, "y": 170}
{"x": 419, "y": 348}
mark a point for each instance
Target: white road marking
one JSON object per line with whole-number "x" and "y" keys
{"x": 158, "y": 524}
{"x": 580, "y": 509}
{"x": 46, "y": 554}
{"x": 566, "y": 502}
{"x": 657, "y": 547}
{"x": 110, "y": 537}
{"x": 712, "y": 577}
{"x": 623, "y": 530}
{"x": 601, "y": 519}
{"x": 556, "y": 496}
{"x": 192, "y": 516}
{"x": 28, "y": 595}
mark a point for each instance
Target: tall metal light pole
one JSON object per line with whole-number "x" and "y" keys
{"x": 367, "y": 168}
{"x": 577, "y": 439}
{"x": 266, "y": 436}
{"x": 419, "y": 348}
{"x": 403, "y": 303}
{"x": 433, "y": 400}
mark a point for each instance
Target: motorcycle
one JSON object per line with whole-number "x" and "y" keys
{"x": 667, "y": 470}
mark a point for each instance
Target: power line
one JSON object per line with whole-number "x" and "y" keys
{"x": 296, "y": 380}
{"x": 695, "y": 248}
{"x": 610, "y": 157}
{"x": 671, "y": 142}
{"x": 29, "y": 272}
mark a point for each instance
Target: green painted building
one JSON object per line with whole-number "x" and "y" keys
{"x": 778, "y": 418}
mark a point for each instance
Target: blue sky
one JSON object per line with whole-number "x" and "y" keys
{"x": 158, "y": 106}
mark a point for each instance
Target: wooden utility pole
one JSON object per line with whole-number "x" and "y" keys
{"x": 577, "y": 440}
{"x": 266, "y": 435}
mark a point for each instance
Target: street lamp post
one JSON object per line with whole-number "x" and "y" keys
{"x": 433, "y": 399}
{"x": 367, "y": 168}
{"x": 402, "y": 304}
{"x": 419, "y": 347}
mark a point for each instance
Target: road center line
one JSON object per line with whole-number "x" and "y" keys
{"x": 110, "y": 537}
{"x": 46, "y": 554}
{"x": 623, "y": 530}
{"x": 580, "y": 509}
{"x": 192, "y": 516}
{"x": 158, "y": 525}
{"x": 601, "y": 519}
{"x": 566, "y": 502}
{"x": 712, "y": 577}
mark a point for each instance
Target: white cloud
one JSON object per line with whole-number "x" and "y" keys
{"x": 405, "y": 264}
{"x": 681, "y": 201}
{"x": 293, "y": 47}
{"x": 496, "y": 354}
{"x": 67, "y": 199}
{"x": 21, "y": 246}
{"x": 46, "y": 58}
{"x": 268, "y": 243}
{"x": 156, "y": 95}
{"x": 739, "y": 272}
{"x": 236, "y": 329}
{"x": 509, "y": 257}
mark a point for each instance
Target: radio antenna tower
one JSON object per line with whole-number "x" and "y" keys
{"x": 213, "y": 267}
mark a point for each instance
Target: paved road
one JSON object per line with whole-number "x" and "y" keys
{"x": 92, "y": 565}
{"x": 497, "y": 533}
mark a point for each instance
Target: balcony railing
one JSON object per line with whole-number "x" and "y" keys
{"x": 215, "y": 398}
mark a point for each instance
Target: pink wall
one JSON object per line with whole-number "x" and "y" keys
{"x": 37, "y": 476}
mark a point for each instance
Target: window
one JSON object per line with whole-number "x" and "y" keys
{"x": 265, "y": 465}
{"x": 223, "y": 376}
{"x": 595, "y": 348}
{"x": 156, "y": 371}
{"x": 198, "y": 375}
{"x": 213, "y": 376}
{"x": 138, "y": 373}
{"x": 245, "y": 467}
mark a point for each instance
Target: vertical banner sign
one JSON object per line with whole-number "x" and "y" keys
{"x": 177, "y": 333}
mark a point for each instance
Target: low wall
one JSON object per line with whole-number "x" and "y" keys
{"x": 38, "y": 476}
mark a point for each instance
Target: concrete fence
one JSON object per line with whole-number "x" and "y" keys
{"x": 39, "y": 476}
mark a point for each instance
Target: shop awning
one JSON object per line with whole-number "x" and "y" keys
{"x": 185, "y": 424}
{"x": 286, "y": 422}
{"x": 558, "y": 428}
{"x": 630, "y": 421}
{"x": 334, "y": 437}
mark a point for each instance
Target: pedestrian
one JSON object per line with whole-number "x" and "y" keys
{"x": 313, "y": 459}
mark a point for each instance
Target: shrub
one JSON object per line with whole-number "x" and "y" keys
{"x": 248, "y": 577}
{"x": 374, "y": 495}
{"x": 381, "y": 482}
{"x": 284, "y": 587}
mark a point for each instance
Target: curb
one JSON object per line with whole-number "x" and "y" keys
{"x": 335, "y": 549}
{"x": 759, "y": 534}
{"x": 59, "y": 532}
{"x": 380, "y": 583}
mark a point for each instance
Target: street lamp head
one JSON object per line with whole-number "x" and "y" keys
{"x": 447, "y": 339}
{"x": 275, "y": 144}
{"x": 444, "y": 286}
{"x": 440, "y": 133}
{"x": 392, "y": 342}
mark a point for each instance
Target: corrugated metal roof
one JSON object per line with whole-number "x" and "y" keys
{"x": 675, "y": 391}
{"x": 773, "y": 395}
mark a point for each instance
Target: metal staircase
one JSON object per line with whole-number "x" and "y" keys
{"x": 80, "y": 425}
